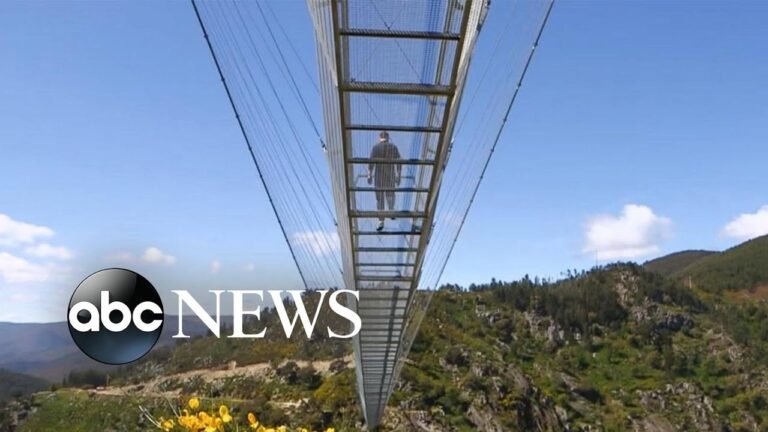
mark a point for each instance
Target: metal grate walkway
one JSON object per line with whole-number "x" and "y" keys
{"x": 392, "y": 75}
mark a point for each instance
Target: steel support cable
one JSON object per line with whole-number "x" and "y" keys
{"x": 452, "y": 6}
{"x": 300, "y": 99}
{"x": 293, "y": 129}
{"x": 290, "y": 75}
{"x": 457, "y": 191}
{"x": 484, "y": 74}
{"x": 327, "y": 71}
{"x": 304, "y": 67}
{"x": 279, "y": 171}
{"x": 466, "y": 162}
{"x": 290, "y": 168}
{"x": 443, "y": 241}
{"x": 263, "y": 99}
{"x": 499, "y": 132}
{"x": 265, "y": 168}
{"x": 447, "y": 225}
{"x": 245, "y": 135}
{"x": 453, "y": 208}
{"x": 497, "y": 96}
{"x": 335, "y": 132}
{"x": 273, "y": 49}
{"x": 465, "y": 165}
{"x": 283, "y": 109}
{"x": 290, "y": 215}
{"x": 310, "y": 262}
{"x": 323, "y": 232}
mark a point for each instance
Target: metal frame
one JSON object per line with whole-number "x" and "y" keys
{"x": 398, "y": 88}
{"x": 394, "y": 128}
{"x": 384, "y": 306}
{"x": 398, "y": 34}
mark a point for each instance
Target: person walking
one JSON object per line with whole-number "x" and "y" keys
{"x": 384, "y": 175}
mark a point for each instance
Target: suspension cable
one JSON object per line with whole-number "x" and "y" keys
{"x": 245, "y": 137}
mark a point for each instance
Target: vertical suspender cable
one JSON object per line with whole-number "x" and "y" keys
{"x": 247, "y": 141}
{"x": 498, "y": 137}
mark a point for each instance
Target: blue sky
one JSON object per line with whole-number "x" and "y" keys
{"x": 640, "y": 130}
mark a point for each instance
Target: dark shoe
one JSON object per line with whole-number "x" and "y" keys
{"x": 381, "y": 226}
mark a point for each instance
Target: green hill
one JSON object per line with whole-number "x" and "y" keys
{"x": 15, "y": 384}
{"x": 744, "y": 267}
{"x": 676, "y": 262}
{"x": 614, "y": 348}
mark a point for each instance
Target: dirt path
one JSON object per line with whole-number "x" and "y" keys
{"x": 260, "y": 370}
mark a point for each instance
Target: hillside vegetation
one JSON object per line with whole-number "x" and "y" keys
{"x": 675, "y": 262}
{"x": 616, "y": 348}
{"x": 742, "y": 267}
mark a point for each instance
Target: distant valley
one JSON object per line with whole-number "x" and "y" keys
{"x": 46, "y": 350}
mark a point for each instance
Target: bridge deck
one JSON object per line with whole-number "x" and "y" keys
{"x": 399, "y": 68}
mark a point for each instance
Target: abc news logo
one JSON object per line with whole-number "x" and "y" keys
{"x": 116, "y": 315}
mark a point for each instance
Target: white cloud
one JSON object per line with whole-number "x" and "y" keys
{"x": 18, "y": 270}
{"x": 44, "y": 250}
{"x": 151, "y": 255}
{"x": 13, "y": 232}
{"x": 30, "y": 275}
{"x": 15, "y": 270}
{"x": 748, "y": 225}
{"x": 635, "y": 233}
{"x": 215, "y": 266}
{"x": 154, "y": 255}
{"x": 320, "y": 243}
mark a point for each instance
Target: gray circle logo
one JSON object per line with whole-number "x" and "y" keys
{"x": 115, "y": 316}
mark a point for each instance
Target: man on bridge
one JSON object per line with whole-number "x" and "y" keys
{"x": 385, "y": 175}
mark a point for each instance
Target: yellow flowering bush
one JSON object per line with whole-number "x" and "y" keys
{"x": 193, "y": 419}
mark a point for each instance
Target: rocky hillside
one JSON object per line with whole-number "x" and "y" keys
{"x": 617, "y": 348}
{"x": 612, "y": 349}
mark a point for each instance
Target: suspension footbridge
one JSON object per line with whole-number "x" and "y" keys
{"x": 367, "y": 198}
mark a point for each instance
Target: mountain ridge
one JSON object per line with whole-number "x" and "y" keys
{"x": 617, "y": 347}
{"x": 669, "y": 264}
{"x": 744, "y": 266}
{"x": 46, "y": 350}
